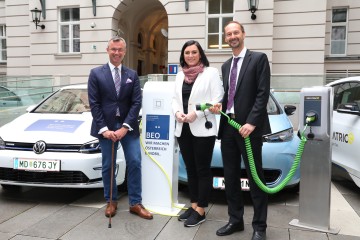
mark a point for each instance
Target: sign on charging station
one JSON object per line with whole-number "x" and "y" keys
{"x": 160, "y": 156}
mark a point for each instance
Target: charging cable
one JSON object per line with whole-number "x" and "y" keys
{"x": 249, "y": 153}
{"x": 167, "y": 179}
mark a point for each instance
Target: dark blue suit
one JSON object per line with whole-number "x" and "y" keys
{"x": 104, "y": 103}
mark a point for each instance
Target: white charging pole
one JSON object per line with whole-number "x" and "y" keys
{"x": 160, "y": 156}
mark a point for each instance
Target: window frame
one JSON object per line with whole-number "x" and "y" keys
{"x": 3, "y": 49}
{"x": 219, "y": 16}
{"x": 339, "y": 24}
{"x": 70, "y": 24}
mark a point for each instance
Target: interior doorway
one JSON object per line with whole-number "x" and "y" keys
{"x": 144, "y": 25}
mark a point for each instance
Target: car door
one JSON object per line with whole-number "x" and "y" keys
{"x": 346, "y": 127}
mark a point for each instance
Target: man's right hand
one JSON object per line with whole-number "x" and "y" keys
{"x": 110, "y": 135}
{"x": 216, "y": 108}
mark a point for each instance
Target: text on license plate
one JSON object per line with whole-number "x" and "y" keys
{"x": 219, "y": 183}
{"x": 36, "y": 165}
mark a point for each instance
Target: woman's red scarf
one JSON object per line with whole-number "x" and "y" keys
{"x": 191, "y": 73}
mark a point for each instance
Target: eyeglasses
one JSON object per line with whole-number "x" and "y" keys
{"x": 117, "y": 50}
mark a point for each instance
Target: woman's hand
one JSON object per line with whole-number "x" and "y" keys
{"x": 190, "y": 117}
{"x": 180, "y": 117}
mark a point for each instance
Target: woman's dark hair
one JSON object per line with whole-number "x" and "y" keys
{"x": 203, "y": 58}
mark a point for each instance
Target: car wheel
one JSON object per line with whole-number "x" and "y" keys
{"x": 10, "y": 187}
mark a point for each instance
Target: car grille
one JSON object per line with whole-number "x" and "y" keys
{"x": 63, "y": 177}
{"x": 49, "y": 147}
{"x": 271, "y": 176}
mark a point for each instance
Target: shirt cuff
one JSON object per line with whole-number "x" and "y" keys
{"x": 128, "y": 126}
{"x": 103, "y": 130}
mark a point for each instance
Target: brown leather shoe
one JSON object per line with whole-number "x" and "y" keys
{"x": 139, "y": 210}
{"x": 111, "y": 209}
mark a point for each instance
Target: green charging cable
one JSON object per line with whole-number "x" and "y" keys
{"x": 249, "y": 153}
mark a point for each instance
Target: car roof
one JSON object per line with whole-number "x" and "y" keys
{"x": 4, "y": 88}
{"x": 349, "y": 79}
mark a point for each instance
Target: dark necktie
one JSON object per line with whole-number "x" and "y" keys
{"x": 117, "y": 81}
{"x": 232, "y": 86}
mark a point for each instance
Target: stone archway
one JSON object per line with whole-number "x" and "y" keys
{"x": 141, "y": 24}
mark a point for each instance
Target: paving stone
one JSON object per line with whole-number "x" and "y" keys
{"x": 59, "y": 223}
{"x": 306, "y": 235}
{"x": 10, "y": 208}
{"x": 29, "y": 217}
{"x": 6, "y": 236}
{"x": 123, "y": 226}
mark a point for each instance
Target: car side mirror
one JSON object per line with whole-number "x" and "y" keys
{"x": 350, "y": 108}
{"x": 289, "y": 109}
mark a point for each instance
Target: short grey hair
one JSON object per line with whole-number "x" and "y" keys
{"x": 117, "y": 39}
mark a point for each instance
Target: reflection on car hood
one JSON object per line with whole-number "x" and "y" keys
{"x": 51, "y": 128}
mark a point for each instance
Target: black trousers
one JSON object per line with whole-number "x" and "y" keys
{"x": 197, "y": 154}
{"x": 232, "y": 149}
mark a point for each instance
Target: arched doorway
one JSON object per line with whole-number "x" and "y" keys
{"x": 143, "y": 24}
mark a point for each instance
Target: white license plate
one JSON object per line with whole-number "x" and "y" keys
{"x": 219, "y": 183}
{"x": 37, "y": 165}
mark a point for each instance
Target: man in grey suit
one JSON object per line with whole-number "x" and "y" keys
{"x": 115, "y": 101}
{"x": 246, "y": 80}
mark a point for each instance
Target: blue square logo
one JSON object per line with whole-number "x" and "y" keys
{"x": 157, "y": 127}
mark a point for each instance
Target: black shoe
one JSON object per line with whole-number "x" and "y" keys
{"x": 259, "y": 235}
{"x": 194, "y": 219}
{"x": 230, "y": 228}
{"x": 186, "y": 214}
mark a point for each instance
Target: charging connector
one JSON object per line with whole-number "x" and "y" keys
{"x": 310, "y": 117}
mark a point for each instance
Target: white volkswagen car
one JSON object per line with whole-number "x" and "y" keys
{"x": 346, "y": 126}
{"x": 51, "y": 145}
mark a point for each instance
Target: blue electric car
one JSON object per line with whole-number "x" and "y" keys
{"x": 279, "y": 151}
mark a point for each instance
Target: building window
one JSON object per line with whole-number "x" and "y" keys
{"x": 338, "y": 31}
{"x": 3, "y": 55}
{"x": 219, "y": 12}
{"x": 69, "y": 30}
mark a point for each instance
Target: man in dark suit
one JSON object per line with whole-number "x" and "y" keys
{"x": 115, "y": 101}
{"x": 246, "y": 80}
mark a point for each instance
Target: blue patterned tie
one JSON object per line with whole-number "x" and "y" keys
{"x": 232, "y": 86}
{"x": 117, "y": 81}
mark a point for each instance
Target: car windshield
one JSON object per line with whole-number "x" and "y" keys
{"x": 66, "y": 101}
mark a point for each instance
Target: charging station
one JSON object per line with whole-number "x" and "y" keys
{"x": 315, "y": 183}
{"x": 160, "y": 154}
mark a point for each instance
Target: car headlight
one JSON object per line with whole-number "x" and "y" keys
{"x": 2, "y": 144}
{"x": 283, "y": 136}
{"x": 91, "y": 147}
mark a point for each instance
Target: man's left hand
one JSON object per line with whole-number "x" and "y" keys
{"x": 120, "y": 133}
{"x": 246, "y": 130}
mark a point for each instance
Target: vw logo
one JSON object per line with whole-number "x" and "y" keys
{"x": 39, "y": 147}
